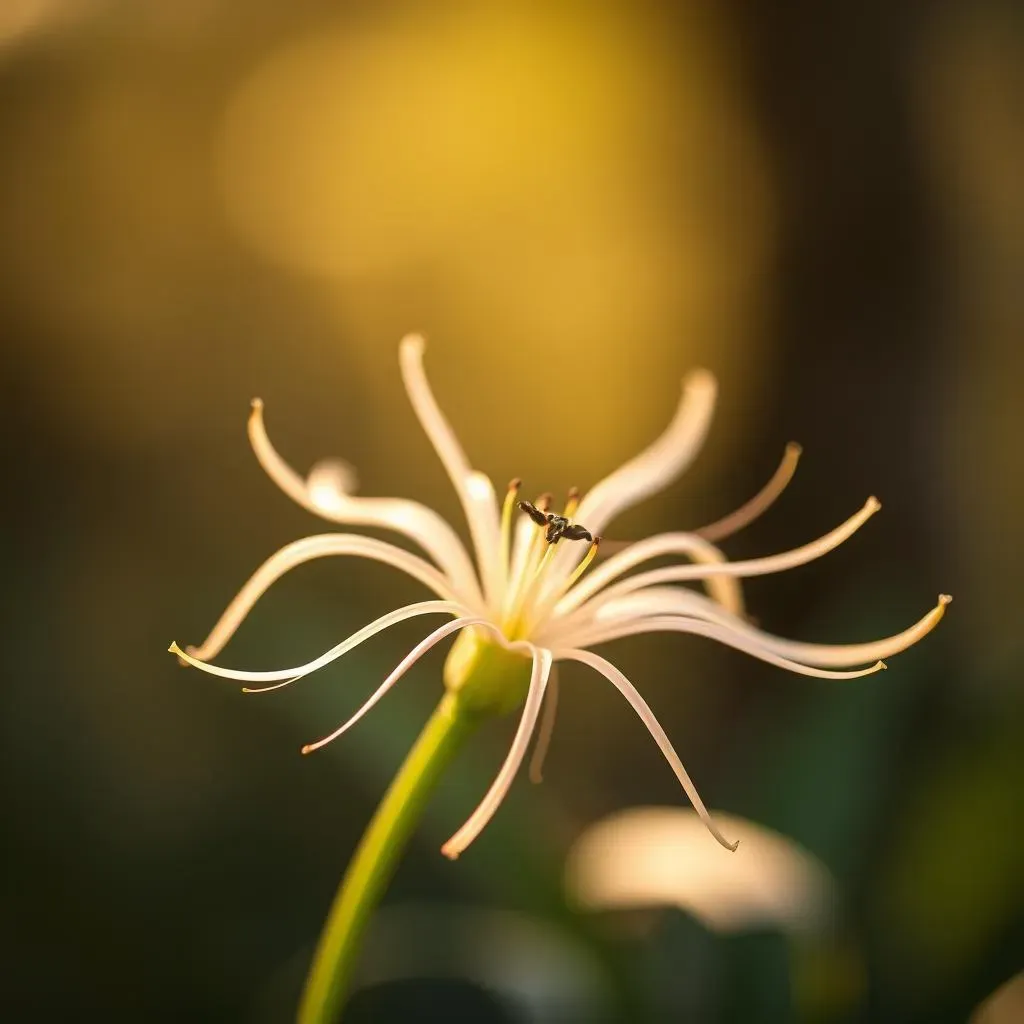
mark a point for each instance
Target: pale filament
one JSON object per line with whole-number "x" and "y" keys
{"x": 523, "y": 545}
{"x": 759, "y": 503}
{"x": 541, "y": 608}
{"x": 505, "y": 554}
{"x": 538, "y": 553}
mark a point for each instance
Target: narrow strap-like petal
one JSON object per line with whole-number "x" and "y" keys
{"x": 475, "y": 490}
{"x": 640, "y": 706}
{"x": 659, "y": 464}
{"x": 308, "y": 548}
{"x": 638, "y": 608}
{"x": 724, "y": 589}
{"x": 724, "y": 635}
{"x": 478, "y": 820}
{"x": 403, "y": 666}
{"x": 647, "y": 473}
{"x": 748, "y": 567}
{"x": 759, "y": 503}
{"x": 290, "y": 674}
{"x": 326, "y": 494}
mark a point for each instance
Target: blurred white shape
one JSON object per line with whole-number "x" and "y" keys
{"x": 1004, "y": 1006}
{"x": 330, "y": 482}
{"x": 660, "y": 856}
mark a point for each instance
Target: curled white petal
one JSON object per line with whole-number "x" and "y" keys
{"x": 474, "y": 489}
{"x": 403, "y": 666}
{"x": 622, "y": 618}
{"x": 749, "y": 567}
{"x": 330, "y": 485}
{"x": 289, "y": 674}
{"x": 659, "y": 464}
{"x": 641, "y": 707}
{"x": 478, "y": 820}
{"x": 647, "y": 473}
{"x": 327, "y": 493}
{"x": 724, "y": 635}
{"x": 301, "y": 551}
{"x": 724, "y": 589}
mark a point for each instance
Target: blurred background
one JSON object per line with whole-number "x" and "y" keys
{"x": 206, "y": 200}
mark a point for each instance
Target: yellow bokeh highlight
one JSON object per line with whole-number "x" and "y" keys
{"x": 557, "y": 200}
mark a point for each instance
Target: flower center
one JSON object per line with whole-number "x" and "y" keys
{"x": 531, "y": 590}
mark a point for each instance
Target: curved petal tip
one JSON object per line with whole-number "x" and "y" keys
{"x": 700, "y": 380}
{"x": 413, "y": 343}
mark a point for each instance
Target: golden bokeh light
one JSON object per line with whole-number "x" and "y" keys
{"x": 544, "y": 194}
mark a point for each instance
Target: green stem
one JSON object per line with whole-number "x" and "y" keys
{"x": 375, "y": 859}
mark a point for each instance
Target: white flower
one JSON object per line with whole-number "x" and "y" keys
{"x": 526, "y": 602}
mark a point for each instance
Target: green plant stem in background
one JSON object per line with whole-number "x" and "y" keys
{"x": 375, "y": 859}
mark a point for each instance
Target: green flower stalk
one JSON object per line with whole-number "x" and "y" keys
{"x": 528, "y": 597}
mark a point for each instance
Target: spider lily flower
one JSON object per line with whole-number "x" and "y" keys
{"x": 522, "y": 603}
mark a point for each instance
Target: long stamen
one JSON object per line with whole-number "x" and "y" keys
{"x": 572, "y": 502}
{"x": 549, "y": 553}
{"x": 549, "y": 600}
{"x": 759, "y": 503}
{"x": 537, "y": 546}
{"x": 582, "y": 567}
{"x": 506, "y": 524}
{"x": 532, "y": 584}
{"x": 537, "y": 558}
{"x": 529, "y": 544}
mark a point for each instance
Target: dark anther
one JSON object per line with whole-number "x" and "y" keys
{"x": 577, "y": 532}
{"x": 557, "y": 526}
{"x": 540, "y": 518}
